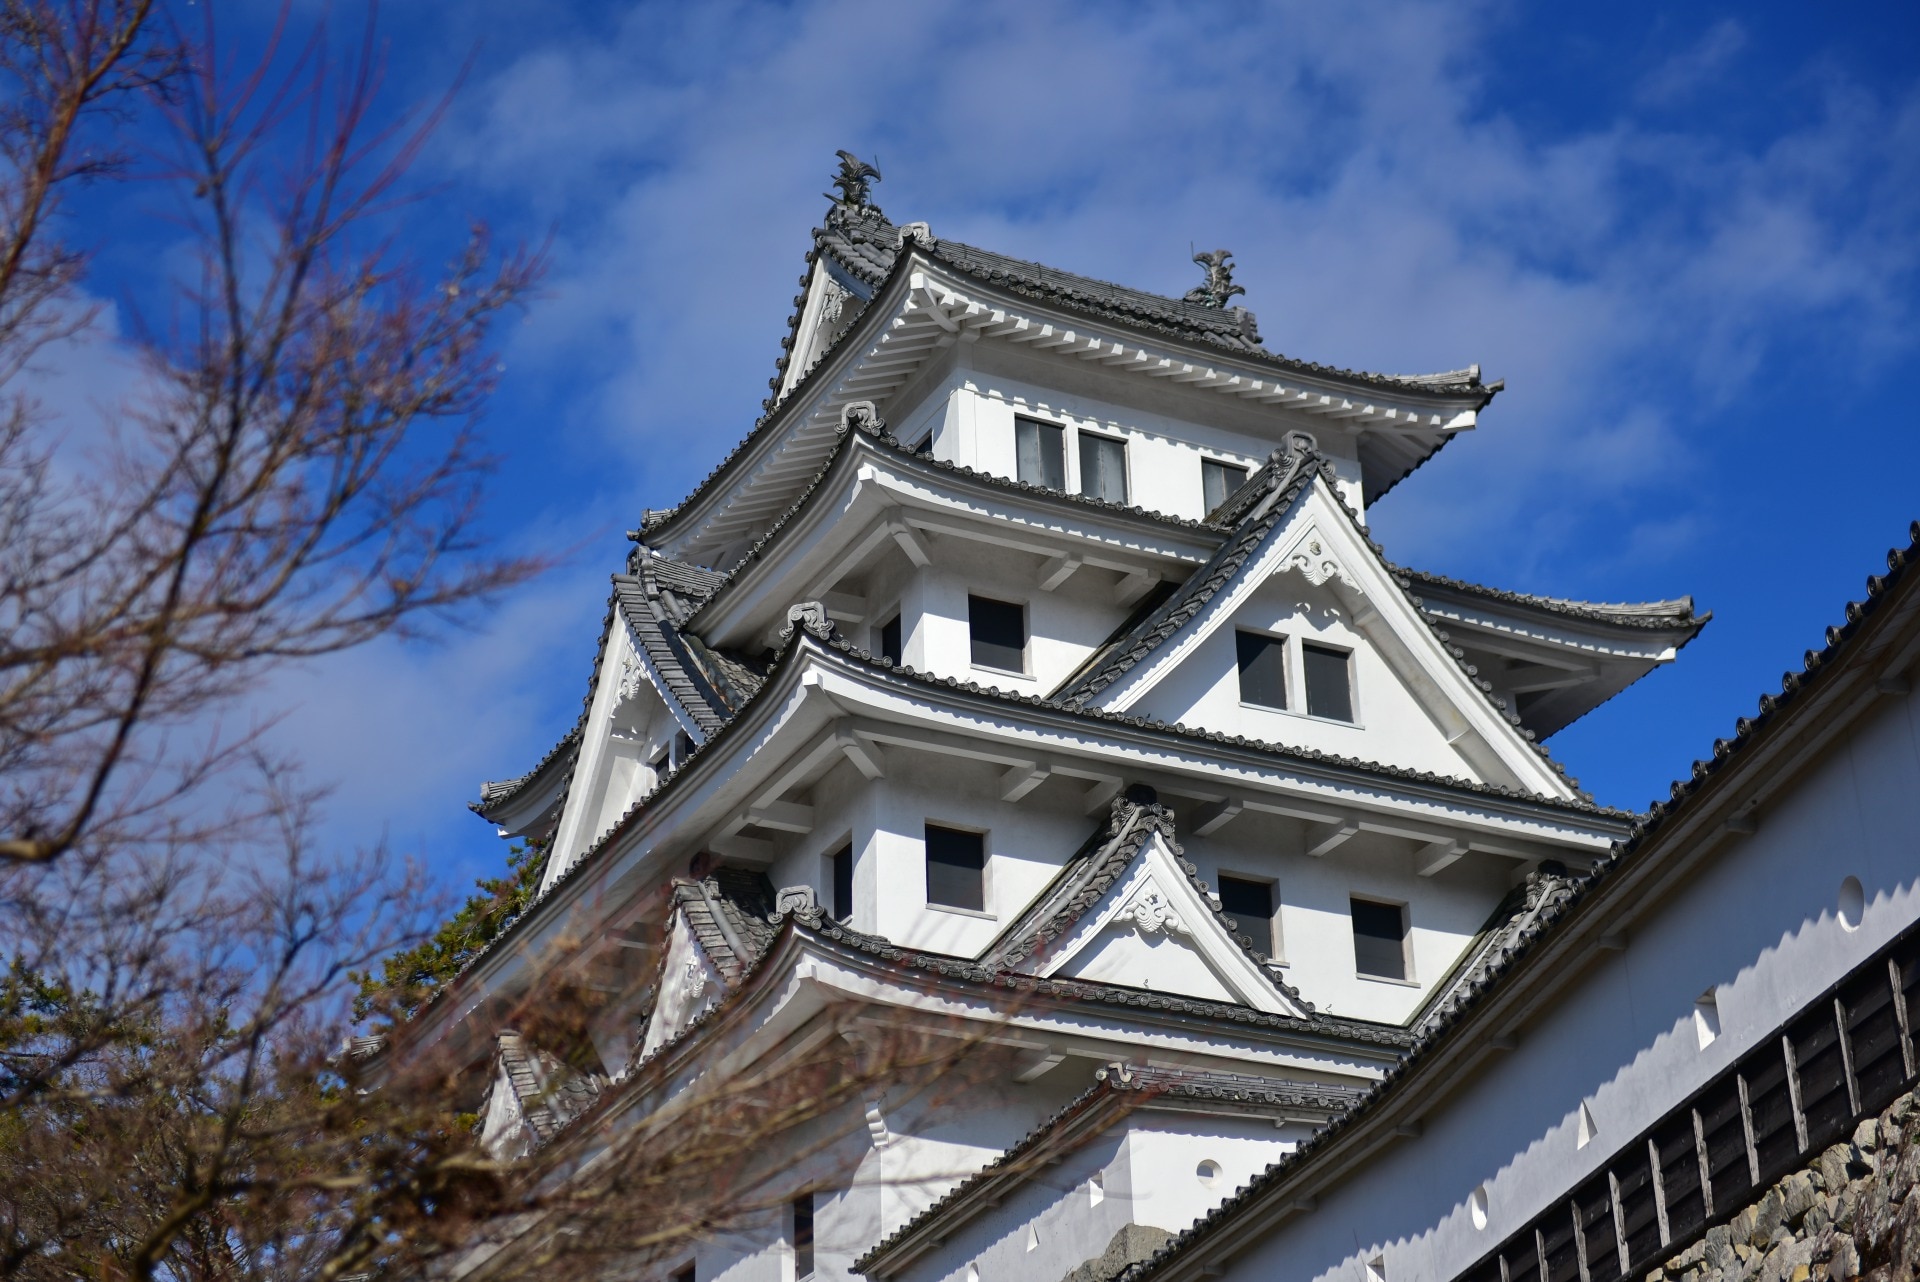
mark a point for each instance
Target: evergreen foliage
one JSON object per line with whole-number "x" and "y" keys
{"x": 408, "y": 978}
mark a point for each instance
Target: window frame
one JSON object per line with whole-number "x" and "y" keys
{"x": 1274, "y": 950}
{"x": 794, "y": 1220}
{"x": 1082, "y": 434}
{"x": 1406, "y": 977}
{"x": 833, "y": 861}
{"x": 1353, "y": 687}
{"x": 1287, "y": 682}
{"x": 1065, "y": 431}
{"x": 1026, "y": 636}
{"x": 986, "y": 861}
{"x": 1209, "y": 460}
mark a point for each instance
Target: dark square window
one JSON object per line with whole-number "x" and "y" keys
{"x": 1379, "y": 939}
{"x": 803, "y": 1235}
{"x": 890, "y": 640}
{"x": 1103, "y": 468}
{"x": 843, "y": 883}
{"x": 1219, "y": 480}
{"x": 1263, "y": 669}
{"x": 1040, "y": 450}
{"x": 999, "y": 633}
{"x": 1329, "y": 682}
{"x": 956, "y": 868}
{"x": 1250, "y": 903}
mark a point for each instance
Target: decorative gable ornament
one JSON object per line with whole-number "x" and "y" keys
{"x": 1151, "y": 914}
{"x": 1317, "y": 563}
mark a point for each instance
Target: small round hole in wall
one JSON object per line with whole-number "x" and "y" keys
{"x": 1853, "y": 902}
{"x": 1477, "y": 1207}
{"x": 1208, "y": 1172}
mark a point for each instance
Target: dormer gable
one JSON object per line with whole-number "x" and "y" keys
{"x": 1129, "y": 909}
{"x": 1298, "y": 590}
{"x": 532, "y": 1096}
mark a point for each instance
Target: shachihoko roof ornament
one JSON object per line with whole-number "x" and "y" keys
{"x": 854, "y": 181}
{"x": 1219, "y": 286}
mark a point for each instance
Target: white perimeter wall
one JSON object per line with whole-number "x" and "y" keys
{"x": 1760, "y": 930}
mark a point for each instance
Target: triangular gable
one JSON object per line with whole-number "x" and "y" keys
{"x": 1304, "y": 530}
{"x": 1154, "y": 928}
{"x": 647, "y": 661}
{"x": 690, "y": 982}
{"x": 533, "y": 1095}
{"x": 1129, "y": 909}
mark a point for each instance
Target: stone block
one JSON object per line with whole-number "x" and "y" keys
{"x": 1797, "y": 1197}
{"x": 1768, "y": 1215}
{"x": 1867, "y": 1134}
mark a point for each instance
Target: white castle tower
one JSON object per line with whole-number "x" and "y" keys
{"x": 1029, "y": 661}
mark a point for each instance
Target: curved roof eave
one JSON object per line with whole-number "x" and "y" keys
{"x": 1469, "y": 393}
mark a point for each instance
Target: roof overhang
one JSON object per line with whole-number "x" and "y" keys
{"x": 822, "y": 705}
{"x": 925, "y": 307}
{"x": 871, "y": 496}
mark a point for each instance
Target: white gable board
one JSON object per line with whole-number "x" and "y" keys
{"x": 1154, "y": 929}
{"x": 1315, "y": 579}
{"x": 689, "y": 985}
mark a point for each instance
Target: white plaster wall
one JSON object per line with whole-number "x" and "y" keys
{"x": 1390, "y": 725}
{"x": 1064, "y": 626}
{"x": 1166, "y": 436}
{"x": 1147, "y": 1169}
{"x": 1444, "y": 911}
{"x": 1028, "y": 841}
{"x": 1759, "y": 928}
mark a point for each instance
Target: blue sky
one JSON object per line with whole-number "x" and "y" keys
{"x": 1688, "y": 238}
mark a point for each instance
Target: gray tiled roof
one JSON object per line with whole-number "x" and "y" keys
{"x": 656, "y": 598}
{"x": 1726, "y": 753}
{"x": 1115, "y": 1093}
{"x": 1511, "y": 923}
{"x": 1091, "y": 872}
{"x": 729, "y": 912}
{"x": 1652, "y": 615}
{"x": 869, "y": 246}
{"x": 550, "y": 1093}
{"x": 1192, "y": 734}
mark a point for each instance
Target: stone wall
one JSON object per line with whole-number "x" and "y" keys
{"x": 1849, "y": 1213}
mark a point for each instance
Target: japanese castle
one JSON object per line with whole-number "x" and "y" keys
{"x": 1029, "y": 666}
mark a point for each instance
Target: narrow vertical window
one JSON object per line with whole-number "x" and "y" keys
{"x": 1379, "y": 939}
{"x": 1218, "y": 481}
{"x": 1329, "y": 682}
{"x": 1103, "y": 468}
{"x": 890, "y": 640}
{"x": 1263, "y": 669}
{"x": 1041, "y": 452}
{"x": 1250, "y": 903}
{"x": 843, "y": 883}
{"x": 803, "y": 1236}
{"x": 998, "y": 630}
{"x": 956, "y": 868}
